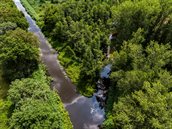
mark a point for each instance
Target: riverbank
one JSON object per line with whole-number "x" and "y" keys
{"x": 89, "y": 114}
{"x": 66, "y": 57}
{"x": 140, "y": 88}
{"x": 30, "y": 102}
{"x": 30, "y": 10}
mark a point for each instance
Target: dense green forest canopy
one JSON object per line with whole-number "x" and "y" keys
{"x": 30, "y": 103}
{"x": 11, "y": 17}
{"x": 79, "y": 30}
{"x": 36, "y": 106}
{"x": 141, "y": 80}
{"x": 81, "y": 27}
{"x": 140, "y": 90}
{"x": 19, "y": 54}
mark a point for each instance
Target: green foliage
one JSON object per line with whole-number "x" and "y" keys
{"x": 150, "y": 107}
{"x": 36, "y": 106}
{"x": 30, "y": 102}
{"x": 10, "y": 19}
{"x": 83, "y": 35}
{"x": 153, "y": 16}
{"x": 4, "y": 108}
{"x": 5, "y": 26}
{"x": 140, "y": 88}
{"x": 4, "y": 86}
{"x": 30, "y": 9}
{"x": 73, "y": 71}
{"x": 19, "y": 54}
{"x": 144, "y": 87}
{"x": 9, "y": 13}
{"x": 144, "y": 59}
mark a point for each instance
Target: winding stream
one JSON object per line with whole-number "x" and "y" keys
{"x": 85, "y": 113}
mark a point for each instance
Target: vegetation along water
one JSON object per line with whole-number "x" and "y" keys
{"x": 117, "y": 53}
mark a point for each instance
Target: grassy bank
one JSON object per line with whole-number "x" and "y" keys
{"x": 30, "y": 9}
{"x": 67, "y": 59}
{"x": 73, "y": 69}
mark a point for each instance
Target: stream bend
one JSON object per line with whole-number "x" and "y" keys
{"x": 85, "y": 113}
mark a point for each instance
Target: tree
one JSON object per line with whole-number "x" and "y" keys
{"x": 150, "y": 108}
{"x": 143, "y": 86}
{"x": 35, "y": 105}
{"x": 4, "y": 109}
{"x": 9, "y": 13}
{"x": 84, "y": 27}
{"x": 19, "y": 54}
{"x": 153, "y": 16}
{"x": 133, "y": 65}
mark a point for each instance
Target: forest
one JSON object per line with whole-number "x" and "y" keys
{"x": 140, "y": 89}
{"x": 139, "y": 35}
{"x": 26, "y": 100}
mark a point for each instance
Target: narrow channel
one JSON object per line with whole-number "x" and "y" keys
{"x": 85, "y": 113}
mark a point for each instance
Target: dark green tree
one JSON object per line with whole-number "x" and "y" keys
{"x": 19, "y": 54}
{"x": 153, "y": 16}
{"x": 149, "y": 107}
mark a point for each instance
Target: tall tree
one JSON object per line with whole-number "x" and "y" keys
{"x": 19, "y": 54}
{"x": 150, "y": 108}
{"x": 35, "y": 105}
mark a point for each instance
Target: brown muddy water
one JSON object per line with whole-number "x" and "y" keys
{"x": 85, "y": 113}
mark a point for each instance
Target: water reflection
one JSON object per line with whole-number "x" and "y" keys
{"x": 84, "y": 112}
{"x": 106, "y": 71}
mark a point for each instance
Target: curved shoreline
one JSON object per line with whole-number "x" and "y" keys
{"x": 85, "y": 113}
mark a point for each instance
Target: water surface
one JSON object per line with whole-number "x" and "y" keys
{"x": 85, "y": 113}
